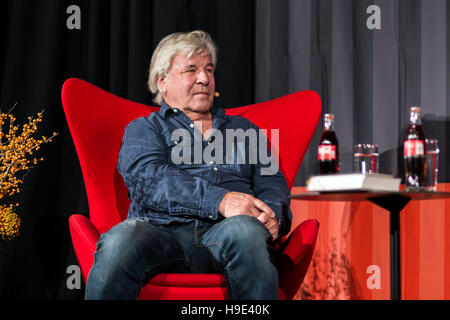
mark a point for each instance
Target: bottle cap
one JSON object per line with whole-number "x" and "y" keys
{"x": 329, "y": 116}
{"x": 415, "y": 109}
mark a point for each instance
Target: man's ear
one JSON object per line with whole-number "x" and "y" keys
{"x": 162, "y": 84}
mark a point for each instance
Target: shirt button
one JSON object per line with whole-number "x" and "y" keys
{"x": 191, "y": 125}
{"x": 176, "y": 142}
{"x": 215, "y": 169}
{"x": 175, "y": 110}
{"x": 210, "y": 216}
{"x": 211, "y": 162}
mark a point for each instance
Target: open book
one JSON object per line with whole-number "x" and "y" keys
{"x": 353, "y": 182}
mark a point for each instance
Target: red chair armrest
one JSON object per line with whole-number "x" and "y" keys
{"x": 294, "y": 261}
{"x": 84, "y": 238}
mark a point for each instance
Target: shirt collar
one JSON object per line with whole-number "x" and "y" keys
{"x": 164, "y": 109}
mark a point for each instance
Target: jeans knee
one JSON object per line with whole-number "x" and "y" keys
{"x": 117, "y": 238}
{"x": 246, "y": 231}
{"x": 123, "y": 243}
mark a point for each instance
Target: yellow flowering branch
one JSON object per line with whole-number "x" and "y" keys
{"x": 9, "y": 222}
{"x": 16, "y": 156}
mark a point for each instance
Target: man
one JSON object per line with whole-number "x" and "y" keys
{"x": 191, "y": 216}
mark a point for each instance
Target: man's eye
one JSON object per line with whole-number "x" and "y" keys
{"x": 190, "y": 70}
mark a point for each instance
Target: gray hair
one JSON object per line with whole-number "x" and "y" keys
{"x": 188, "y": 43}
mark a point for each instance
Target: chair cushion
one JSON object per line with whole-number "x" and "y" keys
{"x": 189, "y": 280}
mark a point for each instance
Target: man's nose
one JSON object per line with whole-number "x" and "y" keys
{"x": 202, "y": 77}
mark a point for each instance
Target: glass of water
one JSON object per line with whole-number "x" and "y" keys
{"x": 365, "y": 158}
{"x": 432, "y": 152}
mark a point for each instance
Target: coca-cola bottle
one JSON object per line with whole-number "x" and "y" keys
{"x": 328, "y": 150}
{"x": 414, "y": 152}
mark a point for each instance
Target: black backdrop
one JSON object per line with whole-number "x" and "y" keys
{"x": 111, "y": 50}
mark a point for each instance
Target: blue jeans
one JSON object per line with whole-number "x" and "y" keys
{"x": 134, "y": 251}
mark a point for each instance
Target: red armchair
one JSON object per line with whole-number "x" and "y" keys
{"x": 96, "y": 120}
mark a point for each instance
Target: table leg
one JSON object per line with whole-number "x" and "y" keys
{"x": 394, "y": 204}
{"x": 395, "y": 255}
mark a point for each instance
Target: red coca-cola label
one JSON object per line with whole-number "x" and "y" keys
{"x": 327, "y": 152}
{"x": 413, "y": 148}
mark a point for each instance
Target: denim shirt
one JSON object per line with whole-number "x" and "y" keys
{"x": 162, "y": 190}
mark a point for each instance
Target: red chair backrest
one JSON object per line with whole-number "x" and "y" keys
{"x": 97, "y": 119}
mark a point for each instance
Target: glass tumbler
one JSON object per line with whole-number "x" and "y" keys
{"x": 365, "y": 158}
{"x": 432, "y": 153}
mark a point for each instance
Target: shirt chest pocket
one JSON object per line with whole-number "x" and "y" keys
{"x": 180, "y": 154}
{"x": 179, "y": 150}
